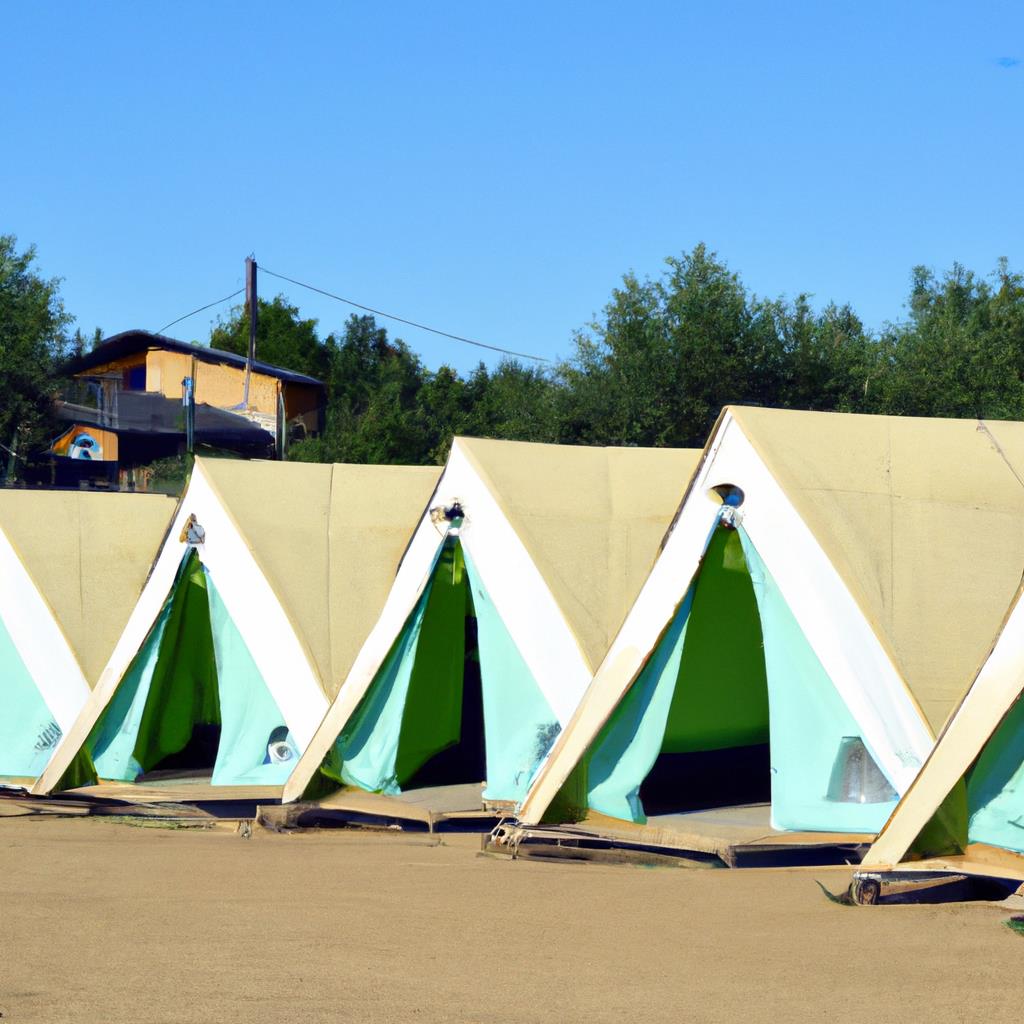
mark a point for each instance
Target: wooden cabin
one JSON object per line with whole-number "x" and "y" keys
{"x": 125, "y": 407}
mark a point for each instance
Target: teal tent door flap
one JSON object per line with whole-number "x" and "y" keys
{"x": 627, "y": 747}
{"x": 519, "y": 724}
{"x": 702, "y": 688}
{"x": 255, "y": 745}
{"x": 365, "y": 754}
{"x": 193, "y": 671}
{"x": 824, "y": 778}
{"x": 28, "y": 731}
{"x": 412, "y": 709}
{"x": 734, "y": 670}
{"x": 995, "y": 786}
{"x": 112, "y": 740}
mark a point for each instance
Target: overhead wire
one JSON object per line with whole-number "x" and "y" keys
{"x": 209, "y": 305}
{"x": 404, "y": 320}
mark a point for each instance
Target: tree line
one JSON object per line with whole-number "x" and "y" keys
{"x": 654, "y": 369}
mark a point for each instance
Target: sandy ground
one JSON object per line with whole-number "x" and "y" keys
{"x": 103, "y": 922}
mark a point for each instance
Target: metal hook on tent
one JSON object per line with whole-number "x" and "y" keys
{"x": 730, "y": 517}
{"x": 448, "y": 516}
{"x": 192, "y": 533}
{"x": 732, "y": 497}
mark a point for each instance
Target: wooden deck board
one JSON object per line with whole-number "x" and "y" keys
{"x": 728, "y": 833}
{"x": 180, "y": 793}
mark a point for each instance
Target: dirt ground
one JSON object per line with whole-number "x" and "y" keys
{"x": 107, "y": 923}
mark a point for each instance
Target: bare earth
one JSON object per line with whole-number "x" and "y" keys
{"x": 106, "y": 923}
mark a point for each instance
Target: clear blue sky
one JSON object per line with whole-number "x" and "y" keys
{"x": 493, "y": 169}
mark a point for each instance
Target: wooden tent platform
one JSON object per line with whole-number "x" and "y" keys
{"x": 727, "y": 836}
{"x": 981, "y": 872}
{"x": 435, "y": 809}
{"x": 177, "y": 799}
{"x": 457, "y": 808}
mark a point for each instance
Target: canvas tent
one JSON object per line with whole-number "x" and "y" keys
{"x": 965, "y": 811}
{"x": 513, "y": 585}
{"x": 269, "y": 579}
{"x": 72, "y": 565}
{"x": 828, "y": 586}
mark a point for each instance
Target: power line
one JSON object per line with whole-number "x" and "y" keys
{"x": 209, "y": 305}
{"x": 403, "y": 320}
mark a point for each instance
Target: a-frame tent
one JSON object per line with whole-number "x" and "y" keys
{"x": 72, "y": 566}
{"x": 828, "y": 586}
{"x": 964, "y": 813}
{"x": 268, "y": 580}
{"x": 516, "y": 579}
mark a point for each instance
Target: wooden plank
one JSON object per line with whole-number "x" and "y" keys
{"x": 182, "y": 793}
{"x": 13, "y": 806}
{"x": 716, "y": 837}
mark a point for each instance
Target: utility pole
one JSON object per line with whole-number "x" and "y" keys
{"x": 252, "y": 307}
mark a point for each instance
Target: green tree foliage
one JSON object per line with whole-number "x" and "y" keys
{"x": 655, "y": 369}
{"x": 384, "y": 406}
{"x": 669, "y": 354}
{"x": 831, "y": 363}
{"x": 33, "y": 340}
{"x": 663, "y": 359}
{"x": 962, "y": 351}
{"x": 282, "y": 337}
{"x": 372, "y": 388}
{"x": 513, "y": 402}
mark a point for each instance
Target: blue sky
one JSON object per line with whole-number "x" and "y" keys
{"x": 494, "y": 169}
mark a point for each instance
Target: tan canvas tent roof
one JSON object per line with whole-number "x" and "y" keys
{"x": 329, "y": 539}
{"x": 921, "y": 518}
{"x": 591, "y": 518}
{"x": 88, "y": 553}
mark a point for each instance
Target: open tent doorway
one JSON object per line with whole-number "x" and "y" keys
{"x": 714, "y": 750}
{"x": 453, "y": 704}
{"x": 731, "y": 708}
{"x": 446, "y": 678}
{"x": 192, "y": 705}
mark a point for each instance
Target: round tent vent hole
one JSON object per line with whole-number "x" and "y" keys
{"x": 727, "y": 494}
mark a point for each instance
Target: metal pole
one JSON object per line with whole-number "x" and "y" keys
{"x": 252, "y": 307}
{"x": 281, "y": 441}
{"x": 11, "y": 466}
{"x": 188, "y": 400}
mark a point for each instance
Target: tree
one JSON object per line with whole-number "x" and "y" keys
{"x": 283, "y": 337}
{"x": 33, "y": 341}
{"x": 372, "y": 388}
{"x": 961, "y": 353}
{"x": 669, "y": 354}
{"x": 513, "y": 402}
{"x": 831, "y": 362}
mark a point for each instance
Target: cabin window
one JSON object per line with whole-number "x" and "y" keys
{"x": 135, "y": 378}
